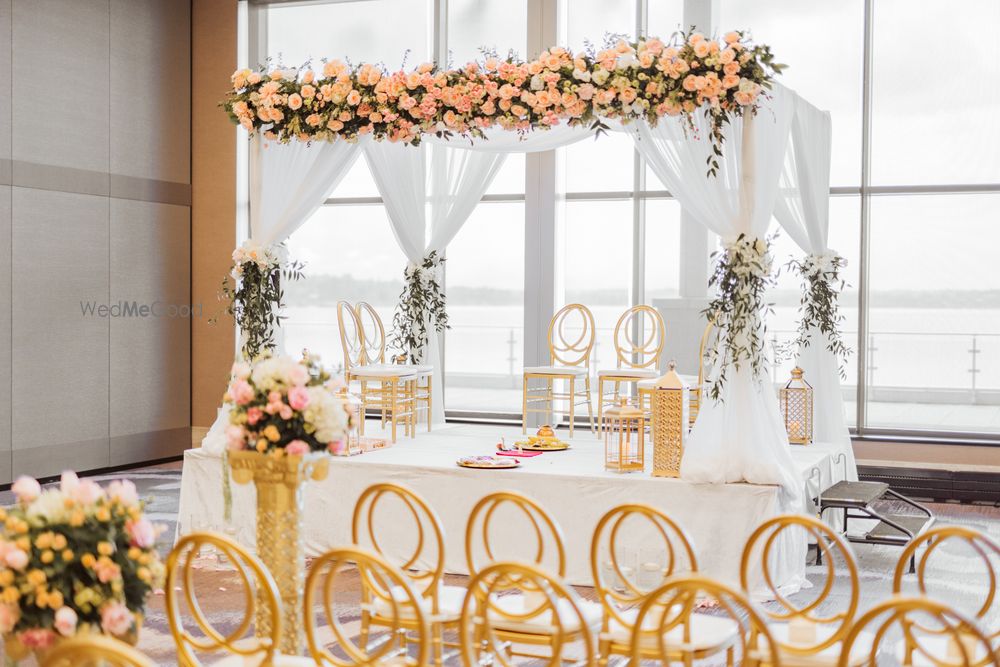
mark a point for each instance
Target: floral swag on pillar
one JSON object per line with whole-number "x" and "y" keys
{"x": 821, "y": 288}
{"x": 742, "y": 275}
{"x": 421, "y": 304}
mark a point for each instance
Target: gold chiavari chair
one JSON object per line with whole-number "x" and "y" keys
{"x": 424, "y": 566}
{"x": 482, "y": 528}
{"x": 511, "y": 605}
{"x": 804, "y": 637}
{"x": 933, "y": 634}
{"x": 639, "y": 336}
{"x": 389, "y": 388}
{"x": 385, "y": 590}
{"x": 696, "y": 383}
{"x": 974, "y": 542}
{"x": 621, "y": 589}
{"x": 569, "y": 361}
{"x": 261, "y": 608}
{"x": 94, "y": 651}
{"x": 665, "y": 626}
{"x": 374, "y": 345}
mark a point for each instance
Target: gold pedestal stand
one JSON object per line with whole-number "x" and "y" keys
{"x": 279, "y": 482}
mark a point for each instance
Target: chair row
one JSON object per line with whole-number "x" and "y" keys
{"x": 398, "y": 391}
{"x": 511, "y": 604}
{"x": 638, "y": 339}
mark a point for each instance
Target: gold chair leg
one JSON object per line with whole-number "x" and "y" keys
{"x": 430, "y": 401}
{"x": 590, "y": 407}
{"x": 364, "y": 407}
{"x": 395, "y": 411}
{"x": 524, "y": 404}
{"x": 572, "y": 404}
{"x": 600, "y": 407}
{"x": 550, "y": 402}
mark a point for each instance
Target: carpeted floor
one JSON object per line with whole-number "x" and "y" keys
{"x": 958, "y": 578}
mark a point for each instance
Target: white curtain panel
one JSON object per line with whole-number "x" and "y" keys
{"x": 803, "y": 210}
{"x": 455, "y": 180}
{"x": 499, "y": 140}
{"x": 741, "y": 437}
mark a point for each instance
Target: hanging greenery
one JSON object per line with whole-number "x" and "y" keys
{"x": 254, "y": 296}
{"x": 742, "y": 275}
{"x": 421, "y": 304}
{"x": 818, "y": 310}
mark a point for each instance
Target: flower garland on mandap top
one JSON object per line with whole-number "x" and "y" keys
{"x": 742, "y": 275}
{"x": 821, "y": 288}
{"x": 77, "y": 558}
{"x": 625, "y": 81}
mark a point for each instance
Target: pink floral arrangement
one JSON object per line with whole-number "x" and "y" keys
{"x": 280, "y": 405}
{"x": 74, "y": 558}
{"x": 624, "y": 81}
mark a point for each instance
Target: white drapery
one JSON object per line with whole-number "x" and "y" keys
{"x": 740, "y": 437}
{"x": 439, "y": 185}
{"x": 803, "y": 210}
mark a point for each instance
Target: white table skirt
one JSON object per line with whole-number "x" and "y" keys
{"x": 571, "y": 485}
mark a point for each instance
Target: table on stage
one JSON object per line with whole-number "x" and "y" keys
{"x": 571, "y": 485}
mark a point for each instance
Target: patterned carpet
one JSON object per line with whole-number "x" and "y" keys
{"x": 958, "y": 578}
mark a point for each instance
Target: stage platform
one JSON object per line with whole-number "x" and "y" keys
{"x": 572, "y": 485}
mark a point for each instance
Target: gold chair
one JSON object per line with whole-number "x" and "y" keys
{"x": 390, "y": 389}
{"x": 803, "y": 637}
{"x": 696, "y": 383}
{"x": 514, "y": 604}
{"x": 441, "y": 604}
{"x": 383, "y": 588}
{"x": 479, "y": 533}
{"x": 94, "y": 651}
{"x": 988, "y": 552}
{"x": 621, "y": 590}
{"x": 637, "y": 359}
{"x": 934, "y": 635}
{"x": 569, "y": 361}
{"x": 373, "y": 333}
{"x": 261, "y": 608}
{"x": 668, "y": 629}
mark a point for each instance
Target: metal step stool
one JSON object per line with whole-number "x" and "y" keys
{"x": 856, "y": 500}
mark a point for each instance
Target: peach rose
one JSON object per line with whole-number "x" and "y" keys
{"x": 309, "y": 76}
{"x": 9, "y": 616}
{"x": 308, "y": 91}
{"x": 116, "y": 619}
{"x": 297, "y": 448}
{"x": 294, "y": 101}
{"x": 253, "y": 78}
{"x": 731, "y": 37}
{"x": 65, "y": 621}
{"x": 353, "y": 98}
{"x": 313, "y": 120}
{"x": 702, "y": 49}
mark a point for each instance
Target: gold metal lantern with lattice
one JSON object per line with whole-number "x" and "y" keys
{"x": 796, "y": 400}
{"x": 670, "y": 406}
{"x": 624, "y": 429}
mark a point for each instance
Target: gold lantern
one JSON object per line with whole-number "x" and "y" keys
{"x": 797, "y": 408}
{"x": 624, "y": 431}
{"x": 670, "y": 405}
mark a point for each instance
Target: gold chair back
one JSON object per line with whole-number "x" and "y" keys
{"x": 663, "y": 627}
{"x": 933, "y": 541}
{"x": 546, "y": 532}
{"x": 571, "y": 336}
{"x": 372, "y": 333}
{"x": 382, "y": 586}
{"x": 758, "y": 556}
{"x": 424, "y": 565}
{"x": 352, "y": 337}
{"x": 617, "y": 590}
{"x": 261, "y": 602}
{"x": 94, "y": 651}
{"x": 644, "y": 352}
{"x": 932, "y": 633}
{"x": 547, "y": 608}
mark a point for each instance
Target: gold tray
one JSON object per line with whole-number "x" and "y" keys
{"x": 528, "y": 446}
{"x": 471, "y": 463}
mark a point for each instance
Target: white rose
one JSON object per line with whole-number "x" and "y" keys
{"x": 601, "y": 76}
{"x": 536, "y": 82}
{"x": 581, "y": 75}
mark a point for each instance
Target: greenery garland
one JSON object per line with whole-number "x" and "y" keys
{"x": 625, "y": 81}
{"x": 254, "y": 295}
{"x": 742, "y": 275}
{"x": 821, "y": 289}
{"x": 421, "y": 302}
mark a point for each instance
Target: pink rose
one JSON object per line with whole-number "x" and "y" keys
{"x": 65, "y": 622}
{"x": 37, "y": 638}
{"x": 254, "y": 415}
{"x": 9, "y": 616}
{"x": 274, "y": 397}
{"x": 88, "y": 493}
{"x": 285, "y": 412}
{"x": 297, "y": 448}
{"x": 298, "y": 398}
{"x": 240, "y": 391}
{"x": 26, "y": 488}
{"x": 69, "y": 482}
{"x": 141, "y": 533}
{"x": 16, "y": 559}
{"x": 123, "y": 491}
{"x": 116, "y": 619}
{"x": 336, "y": 447}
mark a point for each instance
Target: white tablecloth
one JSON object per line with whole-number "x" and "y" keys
{"x": 571, "y": 485}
